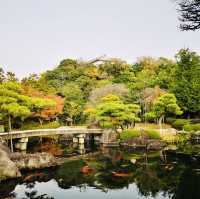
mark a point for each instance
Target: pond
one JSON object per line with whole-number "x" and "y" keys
{"x": 111, "y": 174}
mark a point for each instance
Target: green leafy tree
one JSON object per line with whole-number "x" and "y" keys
{"x": 164, "y": 73}
{"x": 155, "y": 72}
{"x": 71, "y": 112}
{"x": 72, "y": 92}
{"x": 186, "y": 85}
{"x": 163, "y": 106}
{"x": 86, "y": 85}
{"x": 31, "y": 80}
{"x": 73, "y": 104}
{"x": 12, "y": 103}
{"x": 114, "y": 67}
{"x": 115, "y": 113}
{"x": 11, "y": 77}
{"x": 38, "y": 105}
{"x": 189, "y": 14}
{"x": 2, "y": 75}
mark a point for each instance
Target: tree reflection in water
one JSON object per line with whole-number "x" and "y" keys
{"x": 174, "y": 178}
{"x": 33, "y": 194}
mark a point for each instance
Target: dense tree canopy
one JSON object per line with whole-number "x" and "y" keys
{"x": 189, "y": 14}
{"x": 113, "y": 112}
{"x": 46, "y": 106}
{"x": 163, "y": 106}
{"x": 186, "y": 85}
{"x": 12, "y": 103}
{"x": 15, "y": 104}
{"x": 73, "y": 91}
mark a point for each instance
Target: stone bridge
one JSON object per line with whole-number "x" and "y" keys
{"x": 78, "y": 134}
{"x": 48, "y": 132}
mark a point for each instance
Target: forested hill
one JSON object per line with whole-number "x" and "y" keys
{"x": 78, "y": 87}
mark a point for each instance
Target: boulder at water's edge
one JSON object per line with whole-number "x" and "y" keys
{"x": 8, "y": 168}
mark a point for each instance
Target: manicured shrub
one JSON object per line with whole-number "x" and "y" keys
{"x": 34, "y": 126}
{"x": 51, "y": 125}
{"x": 129, "y": 133}
{"x": 192, "y": 127}
{"x": 179, "y": 123}
{"x": 106, "y": 125}
{"x": 133, "y": 133}
{"x": 153, "y": 134}
{"x": 2, "y": 129}
{"x": 179, "y": 138}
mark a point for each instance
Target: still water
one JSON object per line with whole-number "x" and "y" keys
{"x": 111, "y": 174}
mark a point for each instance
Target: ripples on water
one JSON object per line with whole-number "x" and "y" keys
{"x": 114, "y": 174}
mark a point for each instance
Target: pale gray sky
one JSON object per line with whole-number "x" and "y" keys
{"x": 35, "y": 35}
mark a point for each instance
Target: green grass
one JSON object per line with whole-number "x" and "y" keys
{"x": 129, "y": 133}
{"x": 151, "y": 126}
{"x": 153, "y": 134}
{"x": 179, "y": 123}
{"x": 2, "y": 129}
{"x": 191, "y": 127}
{"x": 134, "y": 133}
{"x": 34, "y": 126}
{"x": 106, "y": 125}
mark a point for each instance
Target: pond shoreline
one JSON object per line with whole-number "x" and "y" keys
{"x": 38, "y": 160}
{"x": 11, "y": 164}
{"x": 109, "y": 168}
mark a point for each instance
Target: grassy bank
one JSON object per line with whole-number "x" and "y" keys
{"x": 135, "y": 133}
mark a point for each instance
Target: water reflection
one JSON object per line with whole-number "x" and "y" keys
{"x": 59, "y": 147}
{"x": 113, "y": 174}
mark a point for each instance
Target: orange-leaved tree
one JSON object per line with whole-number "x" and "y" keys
{"x": 47, "y": 109}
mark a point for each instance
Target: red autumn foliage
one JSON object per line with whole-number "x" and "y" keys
{"x": 49, "y": 113}
{"x": 52, "y": 149}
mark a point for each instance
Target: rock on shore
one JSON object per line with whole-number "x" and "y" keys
{"x": 12, "y": 163}
{"x": 8, "y": 168}
{"x": 33, "y": 161}
{"x": 150, "y": 144}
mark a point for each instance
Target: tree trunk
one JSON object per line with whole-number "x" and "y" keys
{"x": 40, "y": 121}
{"x": 116, "y": 131}
{"x": 145, "y": 110}
{"x": 9, "y": 130}
{"x": 133, "y": 124}
{"x": 160, "y": 121}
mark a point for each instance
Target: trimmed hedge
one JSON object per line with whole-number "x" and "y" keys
{"x": 180, "y": 123}
{"x": 192, "y": 127}
{"x": 106, "y": 125}
{"x": 133, "y": 133}
{"x": 129, "y": 133}
{"x": 153, "y": 134}
{"x": 34, "y": 126}
{"x": 2, "y": 129}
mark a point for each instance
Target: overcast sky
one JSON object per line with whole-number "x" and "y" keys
{"x": 35, "y": 35}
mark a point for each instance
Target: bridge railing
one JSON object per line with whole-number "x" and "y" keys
{"x": 39, "y": 132}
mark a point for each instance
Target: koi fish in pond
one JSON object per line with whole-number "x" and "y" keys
{"x": 116, "y": 174}
{"x": 34, "y": 176}
{"x": 87, "y": 170}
